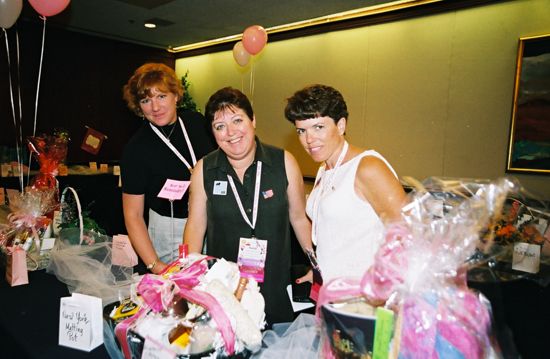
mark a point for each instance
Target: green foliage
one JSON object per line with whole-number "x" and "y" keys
{"x": 187, "y": 102}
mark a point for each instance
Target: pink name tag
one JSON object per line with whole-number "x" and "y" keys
{"x": 251, "y": 259}
{"x": 173, "y": 189}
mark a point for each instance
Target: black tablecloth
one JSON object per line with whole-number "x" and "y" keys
{"x": 29, "y": 320}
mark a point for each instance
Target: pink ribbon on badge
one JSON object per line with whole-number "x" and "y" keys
{"x": 157, "y": 292}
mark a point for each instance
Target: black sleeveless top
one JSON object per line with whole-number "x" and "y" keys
{"x": 226, "y": 225}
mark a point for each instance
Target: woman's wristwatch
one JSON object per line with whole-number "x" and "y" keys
{"x": 152, "y": 265}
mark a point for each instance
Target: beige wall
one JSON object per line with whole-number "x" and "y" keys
{"x": 432, "y": 94}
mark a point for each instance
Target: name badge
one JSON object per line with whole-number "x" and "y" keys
{"x": 251, "y": 259}
{"x": 220, "y": 188}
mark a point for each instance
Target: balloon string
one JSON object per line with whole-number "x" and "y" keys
{"x": 20, "y": 162}
{"x": 252, "y": 83}
{"x": 13, "y": 107}
{"x": 37, "y": 89}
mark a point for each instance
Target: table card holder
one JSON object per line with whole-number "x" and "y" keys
{"x": 80, "y": 322}
{"x": 173, "y": 190}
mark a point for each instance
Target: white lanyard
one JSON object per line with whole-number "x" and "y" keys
{"x": 174, "y": 149}
{"x": 256, "y": 196}
{"x": 325, "y": 184}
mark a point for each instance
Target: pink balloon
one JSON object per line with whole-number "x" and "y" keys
{"x": 49, "y": 7}
{"x": 9, "y": 12}
{"x": 240, "y": 54}
{"x": 254, "y": 39}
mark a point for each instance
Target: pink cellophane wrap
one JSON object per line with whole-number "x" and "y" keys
{"x": 420, "y": 271}
{"x": 49, "y": 151}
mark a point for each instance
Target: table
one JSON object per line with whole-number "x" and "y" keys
{"x": 29, "y": 321}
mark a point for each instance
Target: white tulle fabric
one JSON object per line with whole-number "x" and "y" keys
{"x": 299, "y": 339}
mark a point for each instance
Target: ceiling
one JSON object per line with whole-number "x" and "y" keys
{"x": 184, "y": 22}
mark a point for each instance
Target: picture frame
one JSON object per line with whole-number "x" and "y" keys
{"x": 529, "y": 142}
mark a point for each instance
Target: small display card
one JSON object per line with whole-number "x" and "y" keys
{"x": 526, "y": 257}
{"x": 116, "y": 170}
{"x": 251, "y": 259}
{"x": 173, "y": 189}
{"x": 152, "y": 349}
{"x": 80, "y": 322}
{"x": 103, "y": 168}
{"x": 93, "y": 166}
{"x": 123, "y": 252}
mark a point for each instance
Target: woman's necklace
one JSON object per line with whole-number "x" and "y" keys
{"x": 171, "y": 131}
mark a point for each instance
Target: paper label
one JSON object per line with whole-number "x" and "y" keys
{"x": 116, "y": 170}
{"x": 6, "y": 170}
{"x": 123, "y": 252}
{"x": 80, "y": 322}
{"x": 93, "y": 166}
{"x": 103, "y": 168}
{"x": 526, "y": 257}
{"x": 251, "y": 258}
{"x": 173, "y": 190}
{"x": 154, "y": 350}
{"x": 47, "y": 244}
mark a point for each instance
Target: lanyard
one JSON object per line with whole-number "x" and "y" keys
{"x": 324, "y": 186}
{"x": 256, "y": 196}
{"x": 174, "y": 149}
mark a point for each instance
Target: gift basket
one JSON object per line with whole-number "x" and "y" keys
{"x": 27, "y": 225}
{"x": 82, "y": 256}
{"x": 414, "y": 301}
{"x": 199, "y": 307}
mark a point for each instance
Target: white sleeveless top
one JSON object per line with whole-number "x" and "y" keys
{"x": 347, "y": 230}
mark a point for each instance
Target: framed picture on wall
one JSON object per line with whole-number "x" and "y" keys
{"x": 529, "y": 146}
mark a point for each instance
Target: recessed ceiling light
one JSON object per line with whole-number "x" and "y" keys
{"x": 150, "y": 25}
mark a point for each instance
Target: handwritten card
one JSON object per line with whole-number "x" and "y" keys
{"x": 526, "y": 257}
{"x": 173, "y": 189}
{"x": 80, "y": 322}
{"x": 123, "y": 252}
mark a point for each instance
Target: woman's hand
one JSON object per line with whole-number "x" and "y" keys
{"x": 308, "y": 277}
{"x": 159, "y": 267}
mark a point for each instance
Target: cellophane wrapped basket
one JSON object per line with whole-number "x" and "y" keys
{"x": 419, "y": 275}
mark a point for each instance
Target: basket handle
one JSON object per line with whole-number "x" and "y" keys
{"x": 78, "y": 207}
